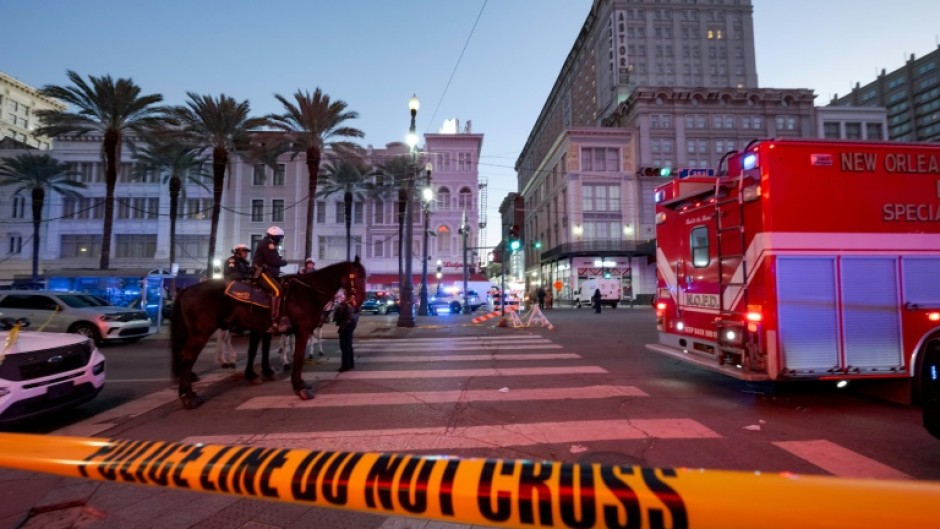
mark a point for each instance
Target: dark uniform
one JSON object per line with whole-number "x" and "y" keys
{"x": 269, "y": 261}
{"x": 237, "y": 268}
{"x": 346, "y": 317}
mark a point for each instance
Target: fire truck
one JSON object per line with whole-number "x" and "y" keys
{"x": 806, "y": 259}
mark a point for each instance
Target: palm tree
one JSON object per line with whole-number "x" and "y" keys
{"x": 221, "y": 125}
{"x": 116, "y": 109}
{"x": 177, "y": 164}
{"x": 37, "y": 173}
{"x": 311, "y": 123}
{"x": 349, "y": 176}
{"x": 392, "y": 177}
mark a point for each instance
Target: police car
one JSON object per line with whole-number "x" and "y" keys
{"x": 41, "y": 372}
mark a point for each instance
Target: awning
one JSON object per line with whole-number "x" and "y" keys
{"x": 392, "y": 279}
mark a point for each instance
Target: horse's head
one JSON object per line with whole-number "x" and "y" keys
{"x": 354, "y": 283}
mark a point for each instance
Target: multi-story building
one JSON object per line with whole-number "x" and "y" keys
{"x": 852, "y": 123}
{"x": 18, "y": 105}
{"x": 911, "y": 95}
{"x": 255, "y": 197}
{"x": 648, "y": 85}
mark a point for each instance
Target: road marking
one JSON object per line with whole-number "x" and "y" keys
{"x": 446, "y": 347}
{"x": 458, "y": 339}
{"x": 840, "y": 461}
{"x": 489, "y": 436}
{"x": 326, "y": 400}
{"x": 470, "y": 358}
{"x": 468, "y": 373}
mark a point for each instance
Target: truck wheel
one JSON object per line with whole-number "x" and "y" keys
{"x": 88, "y": 330}
{"x": 929, "y": 382}
{"x": 613, "y": 305}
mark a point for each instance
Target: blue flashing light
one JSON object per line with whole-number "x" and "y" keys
{"x": 749, "y": 161}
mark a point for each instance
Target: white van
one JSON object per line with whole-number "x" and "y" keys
{"x": 610, "y": 292}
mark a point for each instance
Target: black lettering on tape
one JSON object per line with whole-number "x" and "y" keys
{"x": 303, "y": 484}
{"x": 102, "y": 451}
{"x": 193, "y": 453}
{"x": 277, "y": 460}
{"x": 204, "y": 482}
{"x": 626, "y": 497}
{"x": 133, "y": 457}
{"x": 413, "y": 489}
{"x": 447, "y": 487}
{"x": 534, "y": 491}
{"x": 379, "y": 480}
{"x": 244, "y": 476}
{"x": 228, "y": 468}
{"x": 148, "y": 461}
{"x": 503, "y": 509}
{"x": 160, "y": 472}
{"x": 669, "y": 497}
{"x": 336, "y": 491}
{"x": 109, "y": 466}
{"x": 577, "y": 487}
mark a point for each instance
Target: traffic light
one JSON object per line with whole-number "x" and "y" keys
{"x": 440, "y": 268}
{"x": 606, "y": 274}
{"x": 664, "y": 172}
{"x": 537, "y": 245}
{"x": 514, "y": 242}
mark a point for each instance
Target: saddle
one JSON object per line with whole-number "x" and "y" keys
{"x": 245, "y": 292}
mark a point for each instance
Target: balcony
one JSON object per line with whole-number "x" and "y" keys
{"x": 601, "y": 248}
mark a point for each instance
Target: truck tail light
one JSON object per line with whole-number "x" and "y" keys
{"x": 754, "y": 316}
{"x": 933, "y": 316}
{"x": 660, "y": 306}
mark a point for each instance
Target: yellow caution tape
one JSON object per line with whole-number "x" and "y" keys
{"x": 506, "y": 493}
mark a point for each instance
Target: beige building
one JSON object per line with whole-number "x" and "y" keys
{"x": 18, "y": 105}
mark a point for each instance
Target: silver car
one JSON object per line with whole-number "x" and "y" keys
{"x": 75, "y": 312}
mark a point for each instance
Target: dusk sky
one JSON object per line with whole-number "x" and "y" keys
{"x": 374, "y": 54}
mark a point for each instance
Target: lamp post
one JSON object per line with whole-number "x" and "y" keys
{"x": 427, "y": 195}
{"x": 406, "y": 316}
{"x": 465, "y": 230}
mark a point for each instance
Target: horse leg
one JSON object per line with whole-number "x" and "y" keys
{"x": 286, "y": 350}
{"x": 250, "y": 375}
{"x": 297, "y": 382}
{"x": 190, "y": 352}
{"x": 266, "y": 372}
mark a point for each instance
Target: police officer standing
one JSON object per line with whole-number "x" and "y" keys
{"x": 269, "y": 261}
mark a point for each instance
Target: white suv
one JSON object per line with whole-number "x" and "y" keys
{"x": 75, "y": 312}
{"x": 42, "y": 372}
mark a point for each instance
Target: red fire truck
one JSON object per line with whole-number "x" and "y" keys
{"x": 807, "y": 259}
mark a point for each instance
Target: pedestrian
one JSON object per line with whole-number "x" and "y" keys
{"x": 264, "y": 338}
{"x": 309, "y": 266}
{"x": 268, "y": 260}
{"x": 224, "y": 351}
{"x": 541, "y": 295}
{"x": 596, "y": 300}
{"x": 548, "y": 298}
{"x": 346, "y": 317}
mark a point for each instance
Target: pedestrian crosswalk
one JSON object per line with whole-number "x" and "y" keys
{"x": 410, "y": 389}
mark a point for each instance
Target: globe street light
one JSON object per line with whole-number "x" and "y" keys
{"x": 426, "y": 195}
{"x": 406, "y": 316}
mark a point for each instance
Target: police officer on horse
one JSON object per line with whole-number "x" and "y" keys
{"x": 268, "y": 261}
{"x": 237, "y": 266}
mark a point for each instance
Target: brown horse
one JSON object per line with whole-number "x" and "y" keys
{"x": 202, "y": 308}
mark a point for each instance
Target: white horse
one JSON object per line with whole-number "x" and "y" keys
{"x": 285, "y": 347}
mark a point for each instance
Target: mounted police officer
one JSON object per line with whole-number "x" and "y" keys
{"x": 237, "y": 266}
{"x": 268, "y": 261}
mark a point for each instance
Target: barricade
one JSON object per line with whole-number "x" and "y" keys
{"x": 489, "y": 492}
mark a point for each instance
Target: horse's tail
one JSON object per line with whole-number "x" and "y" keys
{"x": 177, "y": 334}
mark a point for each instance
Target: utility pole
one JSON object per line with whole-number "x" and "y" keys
{"x": 464, "y": 230}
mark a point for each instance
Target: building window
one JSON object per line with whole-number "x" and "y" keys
{"x": 15, "y": 246}
{"x": 277, "y": 210}
{"x": 465, "y": 199}
{"x": 378, "y": 249}
{"x": 257, "y": 178}
{"x": 321, "y": 212}
{"x": 443, "y": 198}
{"x": 80, "y": 246}
{"x": 853, "y": 131}
{"x": 195, "y": 247}
{"x": 340, "y": 210}
{"x": 463, "y": 162}
{"x": 19, "y": 207}
{"x": 136, "y": 246}
{"x": 873, "y": 131}
{"x": 197, "y": 209}
{"x": 600, "y": 159}
{"x": 278, "y": 179}
{"x": 257, "y": 211}
{"x": 378, "y": 212}
{"x": 357, "y": 212}
{"x": 443, "y": 239}
{"x": 831, "y": 129}
{"x": 600, "y": 197}
{"x": 698, "y": 244}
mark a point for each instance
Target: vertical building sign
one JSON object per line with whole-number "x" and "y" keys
{"x": 623, "y": 67}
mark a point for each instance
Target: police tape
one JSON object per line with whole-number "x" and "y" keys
{"x": 491, "y": 315}
{"x": 491, "y": 492}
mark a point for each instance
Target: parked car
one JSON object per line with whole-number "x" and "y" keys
{"x": 453, "y": 303}
{"x": 75, "y": 312}
{"x": 380, "y": 303}
{"x": 43, "y": 372}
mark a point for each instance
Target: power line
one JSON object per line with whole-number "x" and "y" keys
{"x": 467, "y": 43}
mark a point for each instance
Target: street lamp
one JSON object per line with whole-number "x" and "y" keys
{"x": 465, "y": 231}
{"x": 427, "y": 195}
{"x": 406, "y": 316}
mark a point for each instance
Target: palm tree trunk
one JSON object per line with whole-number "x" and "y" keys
{"x": 313, "y": 170}
{"x": 112, "y": 144}
{"x": 219, "y": 163}
{"x": 347, "y": 211}
{"x": 175, "y": 186}
{"x": 38, "y": 197}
